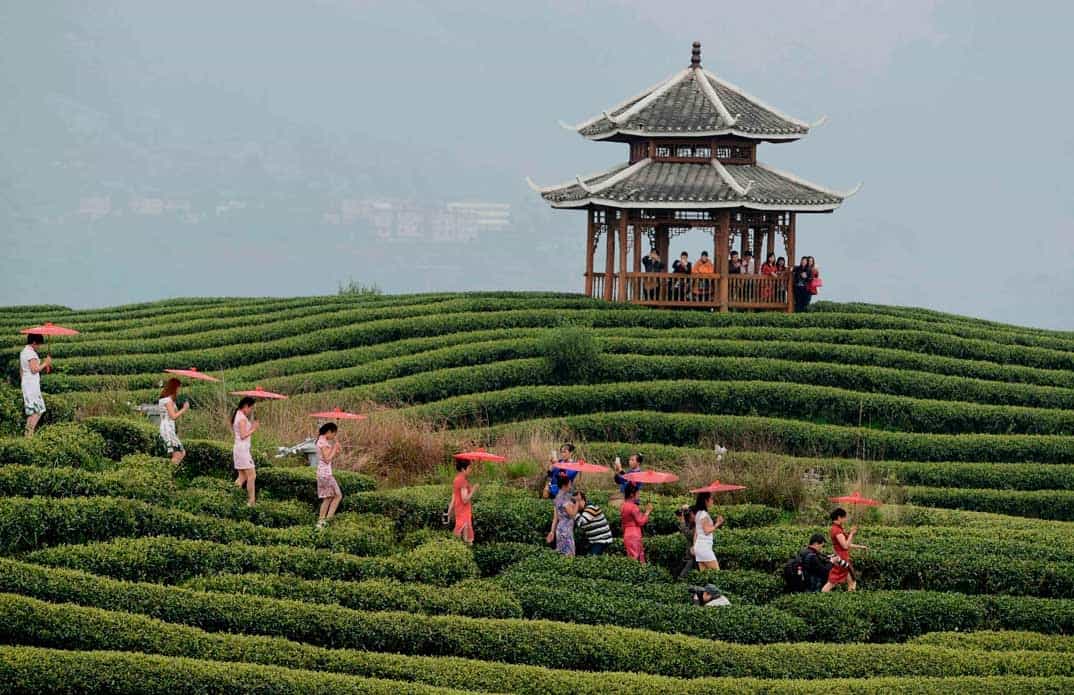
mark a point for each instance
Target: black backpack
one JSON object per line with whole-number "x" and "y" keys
{"x": 794, "y": 577}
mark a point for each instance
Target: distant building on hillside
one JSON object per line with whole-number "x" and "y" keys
{"x": 692, "y": 164}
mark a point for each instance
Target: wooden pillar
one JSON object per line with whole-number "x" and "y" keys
{"x": 609, "y": 259}
{"x": 622, "y": 294}
{"x": 590, "y": 232}
{"x": 638, "y": 231}
{"x": 744, "y": 240}
{"x": 723, "y": 243}
{"x": 791, "y": 262}
{"x": 663, "y": 245}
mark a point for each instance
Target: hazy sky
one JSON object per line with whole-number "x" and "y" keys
{"x": 955, "y": 115}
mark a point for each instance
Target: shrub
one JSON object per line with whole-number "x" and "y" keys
{"x": 12, "y": 414}
{"x": 123, "y": 436}
{"x": 136, "y": 482}
{"x": 534, "y": 642}
{"x": 1042, "y": 504}
{"x": 571, "y": 352}
{"x": 76, "y": 627}
{"x": 173, "y": 560}
{"x": 65, "y": 444}
{"x": 475, "y": 599}
{"x": 746, "y": 585}
{"x": 1007, "y": 640}
{"x": 300, "y": 483}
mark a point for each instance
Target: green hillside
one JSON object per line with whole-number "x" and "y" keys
{"x": 115, "y": 566}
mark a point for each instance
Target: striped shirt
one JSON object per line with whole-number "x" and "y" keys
{"x": 594, "y": 525}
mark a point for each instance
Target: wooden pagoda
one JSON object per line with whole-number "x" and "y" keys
{"x": 693, "y": 165}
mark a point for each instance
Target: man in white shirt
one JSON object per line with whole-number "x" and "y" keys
{"x": 30, "y": 367}
{"x": 749, "y": 266}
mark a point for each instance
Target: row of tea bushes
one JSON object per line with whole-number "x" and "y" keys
{"x": 166, "y": 559}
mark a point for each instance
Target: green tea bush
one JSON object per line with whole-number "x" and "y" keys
{"x": 533, "y": 642}
{"x": 475, "y": 599}
{"x": 76, "y": 627}
{"x": 571, "y": 353}
{"x": 300, "y": 483}
{"x": 64, "y": 444}
{"x": 1042, "y": 504}
{"x": 1005, "y": 640}
{"x": 173, "y": 560}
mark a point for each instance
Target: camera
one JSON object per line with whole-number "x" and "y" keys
{"x": 839, "y": 562}
{"x": 445, "y": 519}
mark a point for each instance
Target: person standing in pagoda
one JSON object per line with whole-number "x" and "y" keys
{"x": 632, "y": 520}
{"x": 652, "y": 264}
{"x": 681, "y": 287}
{"x": 30, "y": 367}
{"x": 802, "y": 276}
{"x": 703, "y": 286}
{"x": 768, "y": 269}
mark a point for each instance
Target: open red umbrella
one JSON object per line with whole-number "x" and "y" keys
{"x": 581, "y": 467}
{"x": 192, "y": 373}
{"x": 259, "y": 392}
{"x": 48, "y": 329}
{"x": 652, "y": 477}
{"x": 338, "y": 414}
{"x": 479, "y": 455}
{"x": 856, "y": 498}
{"x": 717, "y": 486}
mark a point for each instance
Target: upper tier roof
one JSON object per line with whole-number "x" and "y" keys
{"x": 684, "y": 185}
{"x": 692, "y": 103}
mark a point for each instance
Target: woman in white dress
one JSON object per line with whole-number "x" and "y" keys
{"x": 169, "y": 413}
{"x": 703, "y": 528}
{"x": 244, "y": 427}
{"x": 30, "y": 367}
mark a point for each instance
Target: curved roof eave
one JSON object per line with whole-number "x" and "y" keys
{"x": 695, "y": 205}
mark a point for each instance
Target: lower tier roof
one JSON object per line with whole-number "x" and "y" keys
{"x": 703, "y": 185}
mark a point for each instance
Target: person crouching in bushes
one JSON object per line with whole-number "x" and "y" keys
{"x": 708, "y": 596}
{"x": 169, "y": 413}
{"x": 243, "y": 428}
{"x": 704, "y": 555}
{"x": 842, "y": 542}
{"x": 30, "y": 367}
{"x": 563, "y": 512}
{"x": 592, "y": 522}
{"x": 327, "y": 488}
{"x": 633, "y": 519}
{"x": 462, "y": 493}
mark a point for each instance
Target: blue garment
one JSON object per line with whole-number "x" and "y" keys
{"x": 553, "y": 478}
{"x": 623, "y": 482}
{"x": 597, "y": 549}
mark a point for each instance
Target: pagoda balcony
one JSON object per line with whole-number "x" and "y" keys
{"x": 676, "y": 290}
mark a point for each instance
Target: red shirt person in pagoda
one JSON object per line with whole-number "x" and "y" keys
{"x": 842, "y": 542}
{"x": 632, "y": 519}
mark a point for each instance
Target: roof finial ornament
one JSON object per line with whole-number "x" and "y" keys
{"x": 695, "y": 55}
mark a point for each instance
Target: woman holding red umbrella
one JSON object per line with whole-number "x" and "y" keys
{"x": 633, "y": 519}
{"x": 462, "y": 495}
{"x": 704, "y": 555}
{"x": 30, "y": 367}
{"x": 244, "y": 427}
{"x": 169, "y": 413}
{"x": 842, "y": 542}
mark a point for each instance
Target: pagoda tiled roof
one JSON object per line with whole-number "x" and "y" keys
{"x": 693, "y": 103}
{"x": 694, "y": 185}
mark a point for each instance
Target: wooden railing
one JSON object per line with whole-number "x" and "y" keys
{"x": 699, "y": 291}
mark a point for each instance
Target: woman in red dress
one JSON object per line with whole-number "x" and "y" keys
{"x": 768, "y": 268}
{"x": 632, "y": 520}
{"x": 842, "y": 542}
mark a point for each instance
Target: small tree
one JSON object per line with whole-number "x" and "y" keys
{"x": 357, "y": 289}
{"x": 572, "y": 353}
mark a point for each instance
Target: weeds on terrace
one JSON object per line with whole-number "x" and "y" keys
{"x": 572, "y": 353}
{"x": 358, "y": 289}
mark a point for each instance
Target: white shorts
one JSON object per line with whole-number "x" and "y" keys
{"x": 703, "y": 552}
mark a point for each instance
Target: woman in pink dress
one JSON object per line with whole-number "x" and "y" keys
{"x": 244, "y": 427}
{"x": 327, "y": 488}
{"x": 632, "y": 520}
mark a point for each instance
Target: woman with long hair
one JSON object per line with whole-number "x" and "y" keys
{"x": 244, "y": 427}
{"x": 563, "y": 514}
{"x": 169, "y": 413}
{"x": 327, "y": 488}
{"x": 768, "y": 268}
{"x": 703, "y": 528}
{"x": 632, "y": 520}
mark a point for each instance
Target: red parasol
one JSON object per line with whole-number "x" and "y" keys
{"x": 192, "y": 373}
{"x": 717, "y": 486}
{"x": 856, "y": 498}
{"x": 655, "y": 477}
{"x": 479, "y": 455}
{"x": 338, "y": 414}
{"x": 49, "y": 328}
{"x": 581, "y": 467}
{"x": 259, "y": 392}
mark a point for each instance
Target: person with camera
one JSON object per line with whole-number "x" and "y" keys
{"x": 566, "y": 454}
{"x": 704, "y": 555}
{"x": 708, "y": 596}
{"x": 842, "y": 542}
{"x": 808, "y": 570}
{"x": 685, "y": 516}
{"x": 634, "y": 462}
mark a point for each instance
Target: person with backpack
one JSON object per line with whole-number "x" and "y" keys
{"x": 808, "y": 570}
